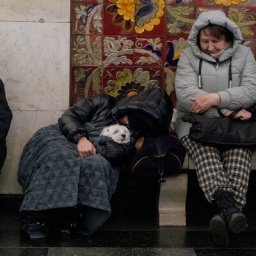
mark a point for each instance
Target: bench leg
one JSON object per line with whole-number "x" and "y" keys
{"x": 172, "y": 201}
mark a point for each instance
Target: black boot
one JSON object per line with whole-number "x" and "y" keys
{"x": 233, "y": 216}
{"x": 62, "y": 222}
{"x": 32, "y": 227}
{"x": 219, "y": 230}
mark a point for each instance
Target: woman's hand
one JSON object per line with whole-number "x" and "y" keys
{"x": 203, "y": 102}
{"x": 85, "y": 147}
{"x": 243, "y": 114}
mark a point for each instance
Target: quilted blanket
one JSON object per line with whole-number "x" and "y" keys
{"x": 53, "y": 175}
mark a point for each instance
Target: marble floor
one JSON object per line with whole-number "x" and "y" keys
{"x": 136, "y": 232}
{"x": 128, "y": 235}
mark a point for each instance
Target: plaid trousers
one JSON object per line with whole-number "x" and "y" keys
{"x": 217, "y": 168}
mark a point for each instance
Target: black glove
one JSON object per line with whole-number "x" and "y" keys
{"x": 114, "y": 152}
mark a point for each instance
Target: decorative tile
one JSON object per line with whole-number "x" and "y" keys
{"x": 150, "y": 76}
{"x": 127, "y": 81}
{"x": 248, "y": 3}
{"x": 206, "y": 8}
{"x": 179, "y": 20}
{"x": 149, "y": 18}
{"x": 117, "y": 79}
{"x": 173, "y": 48}
{"x": 246, "y": 20}
{"x": 85, "y": 82}
{"x": 118, "y": 50}
{"x": 227, "y": 2}
{"x": 207, "y": 3}
{"x": 88, "y": 1}
{"x": 86, "y": 50}
{"x": 149, "y": 51}
{"x": 86, "y": 18}
{"x": 119, "y": 19}
{"x": 169, "y": 82}
{"x": 181, "y": 3}
{"x": 122, "y": 46}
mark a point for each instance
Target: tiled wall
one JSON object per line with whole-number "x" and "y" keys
{"x": 122, "y": 46}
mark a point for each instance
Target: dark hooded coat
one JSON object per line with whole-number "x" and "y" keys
{"x": 53, "y": 175}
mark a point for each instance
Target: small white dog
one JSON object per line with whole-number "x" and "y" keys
{"x": 118, "y": 133}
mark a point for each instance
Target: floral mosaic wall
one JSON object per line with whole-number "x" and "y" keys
{"x": 123, "y": 46}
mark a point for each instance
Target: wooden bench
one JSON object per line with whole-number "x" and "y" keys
{"x": 173, "y": 193}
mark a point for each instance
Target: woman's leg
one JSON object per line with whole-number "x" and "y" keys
{"x": 97, "y": 183}
{"x": 48, "y": 174}
{"x": 211, "y": 176}
{"x": 223, "y": 177}
{"x": 237, "y": 162}
{"x": 62, "y": 222}
{"x": 209, "y": 168}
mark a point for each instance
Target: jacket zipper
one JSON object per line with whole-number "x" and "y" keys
{"x": 217, "y": 65}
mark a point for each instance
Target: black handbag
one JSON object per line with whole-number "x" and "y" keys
{"x": 223, "y": 130}
{"x": 157, "y": 157}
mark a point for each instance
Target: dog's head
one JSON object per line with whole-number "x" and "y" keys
{"x": 118, "y": 133}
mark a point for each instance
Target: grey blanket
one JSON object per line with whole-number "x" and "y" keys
{"x": 53, "y": 175}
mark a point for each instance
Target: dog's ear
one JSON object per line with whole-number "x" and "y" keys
{"x": 105, "y": 131}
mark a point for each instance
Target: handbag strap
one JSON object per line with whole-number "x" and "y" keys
{"x": 232, "y": 115}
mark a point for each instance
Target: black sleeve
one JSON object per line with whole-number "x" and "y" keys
{"x": 71, "y": 123}
{"x": 5, "y": 113}
{"x": 114, "y": 152}
{"x": 5, "y": 122}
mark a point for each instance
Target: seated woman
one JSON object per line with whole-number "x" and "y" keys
{"x": 217, "y": 72}
{"x": 60, "y": 167}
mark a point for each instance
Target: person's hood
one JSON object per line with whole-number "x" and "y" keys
{"x": 217, "y": 18}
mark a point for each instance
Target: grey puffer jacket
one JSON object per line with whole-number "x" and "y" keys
{"x": 215, "y": 72}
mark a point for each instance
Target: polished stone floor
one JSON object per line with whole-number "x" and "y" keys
{"x": 128, "y": 235}
{"x": 136, "y": 232}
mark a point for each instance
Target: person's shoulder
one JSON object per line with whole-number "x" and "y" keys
{"x": 100, "y": 97}
{"x": 97, "y": 98}
{"x": 187, "y": 56}
{"x": 104, "y": 99}
{"x": 187, "y": 52}
{"x": 106, "y": 96}
{"x": 243, "y": 47}
{"x": 242, "y": 51}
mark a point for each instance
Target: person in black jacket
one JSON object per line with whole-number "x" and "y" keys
{"x": 5, "y": 122}
{"x": 60, "y": 167}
